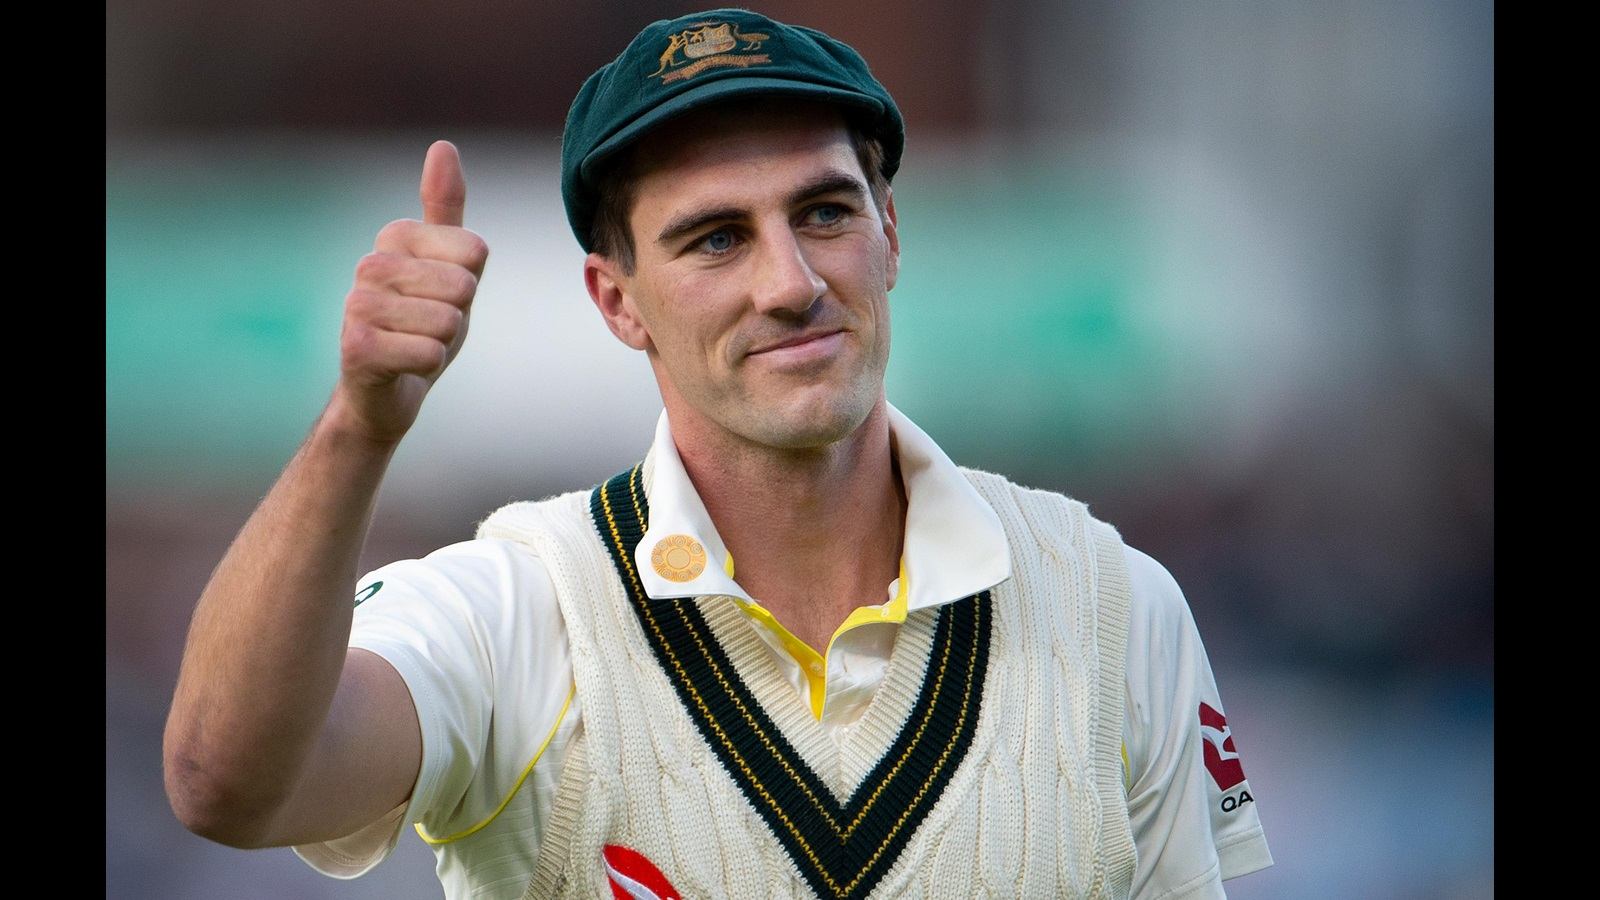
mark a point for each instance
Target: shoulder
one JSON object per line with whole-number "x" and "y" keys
{"x": 473, "y": 557}
{"x": 513, "y": 520}
{"x": 1048, "y": 518}
{"x": 1164, "y": 643}
{"x": 1000, "y": 485}
{"x": 1008, "y": 496}
{"x": 1159, "y": 614}
{"x": 1156, "y": 593}
{"x": 1152, "y": 584}
{"x": 489, "y": 580}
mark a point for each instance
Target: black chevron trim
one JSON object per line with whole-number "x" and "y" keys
{"x": 841, "y": 850}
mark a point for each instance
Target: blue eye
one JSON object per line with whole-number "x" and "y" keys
{"x": 718, "y": 241}
{"x": 827, "y": 214}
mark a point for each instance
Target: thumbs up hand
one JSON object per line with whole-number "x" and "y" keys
{"x": 406, "y": 316}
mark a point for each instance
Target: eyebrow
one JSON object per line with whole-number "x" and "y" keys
{"x": 831, "y": 181}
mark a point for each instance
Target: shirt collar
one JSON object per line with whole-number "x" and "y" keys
{"x": 954, "y": 543}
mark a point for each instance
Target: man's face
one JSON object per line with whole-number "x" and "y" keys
{"x": 763, "y": 268}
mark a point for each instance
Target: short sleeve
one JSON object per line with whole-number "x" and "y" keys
{"x": 1193, "y": 813}
{"x": 475, "y": 631}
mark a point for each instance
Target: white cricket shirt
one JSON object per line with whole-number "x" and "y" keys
{"x": 476, "y": 632}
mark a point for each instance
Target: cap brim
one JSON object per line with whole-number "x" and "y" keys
{"x": 712, "y": 92}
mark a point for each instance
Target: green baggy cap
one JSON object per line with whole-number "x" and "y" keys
{"x": 677, "y": 65}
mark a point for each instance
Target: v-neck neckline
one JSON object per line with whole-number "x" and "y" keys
{"x": 766, "y": 739}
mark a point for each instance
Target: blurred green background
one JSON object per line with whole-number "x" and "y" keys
{"x": 1224, "y": 271}
{"x": 1032, "y": 304}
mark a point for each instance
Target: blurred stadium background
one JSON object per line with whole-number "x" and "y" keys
{"x": 1224, "y": 270}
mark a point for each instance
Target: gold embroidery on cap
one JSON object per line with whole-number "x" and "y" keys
{"x": 753, "y": 40}
{"x": 708, "y": 46}
{"x": 678, "y": 557}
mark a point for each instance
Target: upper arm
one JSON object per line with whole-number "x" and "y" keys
{"x": 1186, "y": 779}
{"x": 366, "y": 759}
{"x": 468, "y": 649}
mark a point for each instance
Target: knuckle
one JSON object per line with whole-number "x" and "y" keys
{"x": 361, "y": 304}
{"x": 374, "y": 268}
{"x": 477, "y": 253}
{"x": 355, "y": 340}
{"x": 439, "y": 358}
{"x": 446, "y": 323}
{"x": 397, "y": 233}
{"x": 466, "y": 284}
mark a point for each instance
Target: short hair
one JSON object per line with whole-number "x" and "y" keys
{"x": 611, "y": 234}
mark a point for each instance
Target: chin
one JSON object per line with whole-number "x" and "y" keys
{"x": 816, "y": 426}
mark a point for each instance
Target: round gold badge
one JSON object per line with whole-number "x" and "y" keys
{"x": 678, "y": 557}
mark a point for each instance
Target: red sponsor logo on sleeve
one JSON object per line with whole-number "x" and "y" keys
{"x": 1222, "y": 760}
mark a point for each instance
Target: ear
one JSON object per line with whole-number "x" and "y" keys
{"x": 609, "y": 290}
{"x": 891, "y": 230}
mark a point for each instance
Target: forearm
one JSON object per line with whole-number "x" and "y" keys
{"x": 267, "y": 644}
{"x": 277, "y": 734}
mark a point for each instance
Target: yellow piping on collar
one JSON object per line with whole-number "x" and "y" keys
{"x": 814, "y": 666}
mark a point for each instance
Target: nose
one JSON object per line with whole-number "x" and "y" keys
{"x": 784, "y": 278}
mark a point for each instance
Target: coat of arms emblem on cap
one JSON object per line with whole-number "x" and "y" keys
{"x": 693, "y": 50}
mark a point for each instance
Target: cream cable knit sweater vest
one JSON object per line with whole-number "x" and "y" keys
{"x": 989, "y": 764}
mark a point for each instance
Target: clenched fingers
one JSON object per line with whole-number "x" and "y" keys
{"x": 406, "y": 295}
{"x": 420, "y": 277}
{"x": 443, "y": 243}
{"x": 372, "y": 314}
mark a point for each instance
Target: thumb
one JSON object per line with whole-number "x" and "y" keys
{"x": 444, "y": 188}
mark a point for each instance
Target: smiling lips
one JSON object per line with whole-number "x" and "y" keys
{"x": 801, "y": 347}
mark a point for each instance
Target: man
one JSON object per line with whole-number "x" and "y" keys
{"x": 795, "y": 652}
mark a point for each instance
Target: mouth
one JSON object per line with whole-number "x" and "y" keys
{"x": 800, "y": 348}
